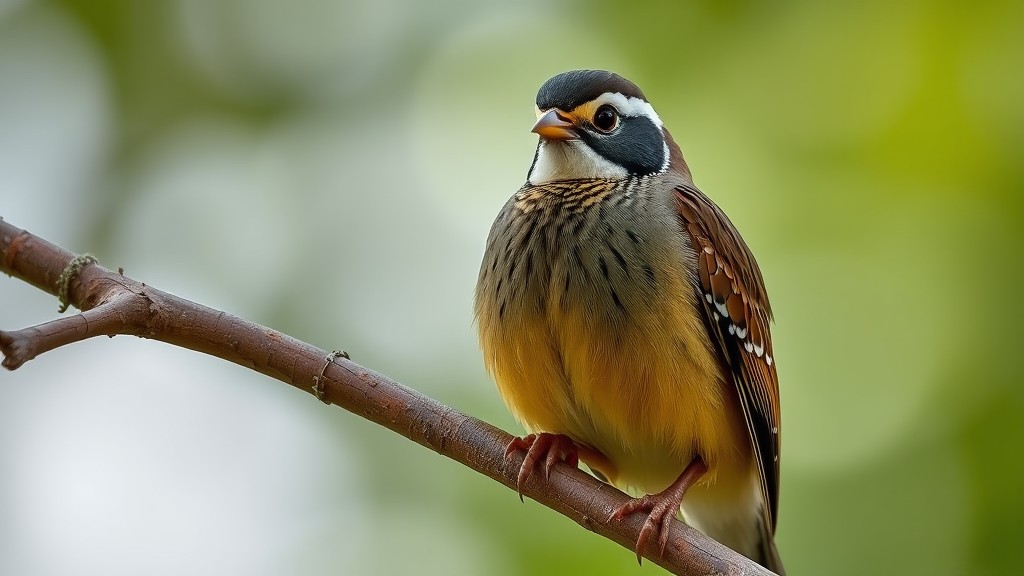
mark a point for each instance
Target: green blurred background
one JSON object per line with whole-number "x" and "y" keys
{"x": 331, "y": 170}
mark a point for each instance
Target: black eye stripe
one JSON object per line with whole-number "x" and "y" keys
{"x": 637, "y": 144}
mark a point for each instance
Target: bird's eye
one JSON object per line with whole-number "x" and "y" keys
{"x": 606, "y": 119}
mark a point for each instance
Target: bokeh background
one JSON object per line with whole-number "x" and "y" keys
{"x": 331, "y": 169}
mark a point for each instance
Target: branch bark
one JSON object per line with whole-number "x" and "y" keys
{"x": 112, "y": 304}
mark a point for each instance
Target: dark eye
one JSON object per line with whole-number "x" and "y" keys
{"x": 606, "y": 119}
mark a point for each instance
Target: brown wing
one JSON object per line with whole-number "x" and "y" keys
{"x": 737, "y": 313}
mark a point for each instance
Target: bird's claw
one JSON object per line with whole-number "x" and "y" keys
{"x": 542, "y": 449}
{"x": 661, "y": 508}
{"x": 660, "y": 513}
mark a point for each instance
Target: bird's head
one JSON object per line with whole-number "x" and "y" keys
{"x": 597, "y": 124}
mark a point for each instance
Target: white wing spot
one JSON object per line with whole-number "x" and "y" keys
{"x": 759, "y": 350}
{"x": 721, "y": 308}
{"x": 715, "y": 314}
{"x": 748, "y": 346}
{"x": 709, "y": 298}
{"x": 768, "y": 359}
{"x": 775, "y": 429}
{"x": 732, "y": 328}
{"x": 741, "y": 332}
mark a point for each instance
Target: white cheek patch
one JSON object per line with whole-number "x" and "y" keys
{"x": 571, "y": 159}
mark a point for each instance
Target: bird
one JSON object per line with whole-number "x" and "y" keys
{"x": 626, "y": 323}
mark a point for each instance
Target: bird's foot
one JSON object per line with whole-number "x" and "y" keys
{"x": 661, "y": 508}
{"x": 542, "y": 449}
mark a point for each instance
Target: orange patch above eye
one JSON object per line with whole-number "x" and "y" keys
{"x": 585, "y": 112}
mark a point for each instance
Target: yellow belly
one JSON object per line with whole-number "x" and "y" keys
{"x": 645, "y": 391}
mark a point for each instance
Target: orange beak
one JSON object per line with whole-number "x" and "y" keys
{"x": 554, "y": 125}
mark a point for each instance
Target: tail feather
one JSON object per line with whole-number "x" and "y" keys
{"x": 736, "y": 519}
{"x": 768, "y": 554}
{"x": 751, "y": 537}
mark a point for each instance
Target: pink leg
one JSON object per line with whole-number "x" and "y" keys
{"x": 662, "y": 507}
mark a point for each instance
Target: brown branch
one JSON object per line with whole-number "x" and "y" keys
{"x": 112, "y": 303}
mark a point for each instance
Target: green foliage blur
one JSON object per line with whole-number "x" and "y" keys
{"x": 331, "y": 169}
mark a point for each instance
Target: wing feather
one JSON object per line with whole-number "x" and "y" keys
{"x": 737, "y": 315}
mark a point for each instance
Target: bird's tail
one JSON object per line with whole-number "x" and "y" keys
{"x": 767, "y": 553}
{"x": 752, "y": 538}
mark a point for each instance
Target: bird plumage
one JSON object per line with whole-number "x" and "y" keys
{"x": 593, "y": 313}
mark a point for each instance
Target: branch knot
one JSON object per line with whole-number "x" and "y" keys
{"x": 70, "y": 272}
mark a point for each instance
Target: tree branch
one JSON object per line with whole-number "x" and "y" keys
{"x": 112, "y": 303}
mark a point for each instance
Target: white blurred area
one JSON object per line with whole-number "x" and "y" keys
{"x": 56, "y": 120}
{"x": 130, "y": 457}
{"x": 126, "y": 456}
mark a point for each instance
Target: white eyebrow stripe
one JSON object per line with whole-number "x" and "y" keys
{"x": 630, "y": 106}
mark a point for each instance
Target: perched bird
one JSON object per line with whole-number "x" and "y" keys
{"x": 626, "y": 322}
